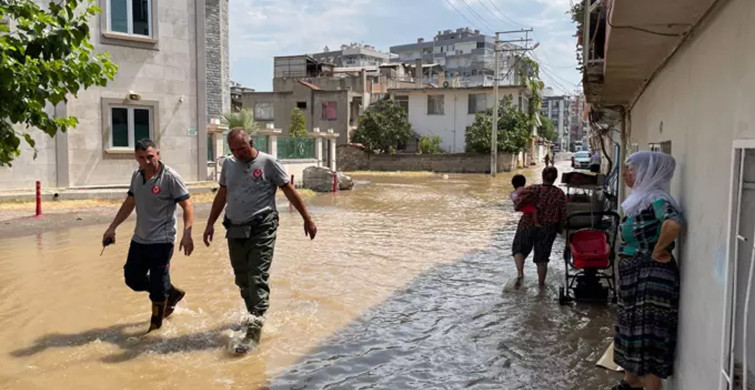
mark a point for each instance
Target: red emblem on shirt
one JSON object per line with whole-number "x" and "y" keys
{"x": 155, "y": 189}
{"x": 257, "y": 173}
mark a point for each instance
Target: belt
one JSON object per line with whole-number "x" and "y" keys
{"x": 252, "y": 222}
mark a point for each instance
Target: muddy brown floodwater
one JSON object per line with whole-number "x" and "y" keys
{"x": 403, "y": 288}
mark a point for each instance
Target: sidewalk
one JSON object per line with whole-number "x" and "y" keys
{"x": 113, "y": 192}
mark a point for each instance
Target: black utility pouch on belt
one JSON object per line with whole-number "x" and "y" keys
{"x": 237, "y": 231}
{"x": 243, "y": 231}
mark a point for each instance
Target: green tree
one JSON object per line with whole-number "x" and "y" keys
{"x": 45, "y": 57}
{"x": 384, "y": 127}
{"x": 547, "y": 130}
{"x": 243, "y": 119}
{"x": 298, "y": 126}
{"x": 513, "y": 130}
{"x": 430, "y": 144}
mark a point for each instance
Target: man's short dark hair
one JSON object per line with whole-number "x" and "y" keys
{"x": 550, "y": 174}
{"x": 239, "y": 133}
{"x": 518, "y": 181}
{"x": 143, "y": 144}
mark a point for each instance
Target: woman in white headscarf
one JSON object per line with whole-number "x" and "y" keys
{"x": 647, "y": 315}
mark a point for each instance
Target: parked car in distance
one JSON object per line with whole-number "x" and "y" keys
{"x": 581, "y": 160}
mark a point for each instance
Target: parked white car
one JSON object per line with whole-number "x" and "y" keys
{"x": 581, "y": 160}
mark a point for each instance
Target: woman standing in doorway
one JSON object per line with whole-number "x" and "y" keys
{"x": 646, "y": 322}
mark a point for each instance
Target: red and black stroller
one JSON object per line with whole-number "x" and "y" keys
{"x": 589, "y": 258}
{"x": 590, "y": 233}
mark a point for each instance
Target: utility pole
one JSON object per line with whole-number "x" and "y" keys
{"x": 496, "y": 79}
{"x": 494, "y": 129}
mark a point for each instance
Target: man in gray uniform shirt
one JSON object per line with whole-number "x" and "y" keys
{"x": 248, "y": 183}
{"x": 154, "y": 191}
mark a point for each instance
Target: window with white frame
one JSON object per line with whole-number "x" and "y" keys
{"x": 264, "y": 111}
{"x": 435, "y": 104}
{"x": 132, "y": 17}
{"x": 403, "y": 102}
{"x": 664, "y": 147}
{"x": 129, "y": 125}
{"x": 477, "y": 102}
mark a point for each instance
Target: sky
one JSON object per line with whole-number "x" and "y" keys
{"x": 262, "y": 29}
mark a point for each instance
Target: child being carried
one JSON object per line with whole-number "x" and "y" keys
{"x": 519, "y": 181}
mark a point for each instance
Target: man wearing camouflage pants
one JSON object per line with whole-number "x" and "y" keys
{"x": 248, "y": 183}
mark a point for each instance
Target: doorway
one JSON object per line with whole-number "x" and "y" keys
{"x": 738, "y": 352}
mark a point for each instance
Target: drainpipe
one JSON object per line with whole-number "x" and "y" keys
{"x": 625, "y": 145}
{"x": 455, "y": 96}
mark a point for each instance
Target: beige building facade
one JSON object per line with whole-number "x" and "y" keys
{"x": 173, "y": 79}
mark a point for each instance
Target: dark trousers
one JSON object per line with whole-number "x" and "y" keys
{"x": 251, "y": 258}
{"x": 148, "y": 269}
{"x": 538, "y": 238}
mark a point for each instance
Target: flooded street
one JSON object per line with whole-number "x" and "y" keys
{"x": 402, "y": 288}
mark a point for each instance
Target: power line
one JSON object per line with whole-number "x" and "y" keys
{"x": 546, "y": 69}
{"x": 473, "y": 12}
{"x": 551, "y": 77}
{"x": 549, "y": 71}
{"x": 554, "y": 74}
{"x": 553, "y": 81}
{"x": 498, "y": 17}
{"x": 608, "y": 20}
{"x": 460, "y": 13}
{"x": 504, "y": 15}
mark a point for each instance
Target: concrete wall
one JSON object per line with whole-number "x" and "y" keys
{"x": 341, "y": 124}
{"x": 27, "y": 169}
{"x": 351, "y": 158}
{"x": 452, "y": 125}
{"x": 285, "y": 102}
{"x": 297, "y": 167}
{"x": 353, "y": 84}
{"x": 704, "y": 99}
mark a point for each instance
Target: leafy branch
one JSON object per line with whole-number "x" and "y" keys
{"x": 44, "y": 58}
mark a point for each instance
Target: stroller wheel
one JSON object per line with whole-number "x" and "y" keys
{"x": 561, "y": 296}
